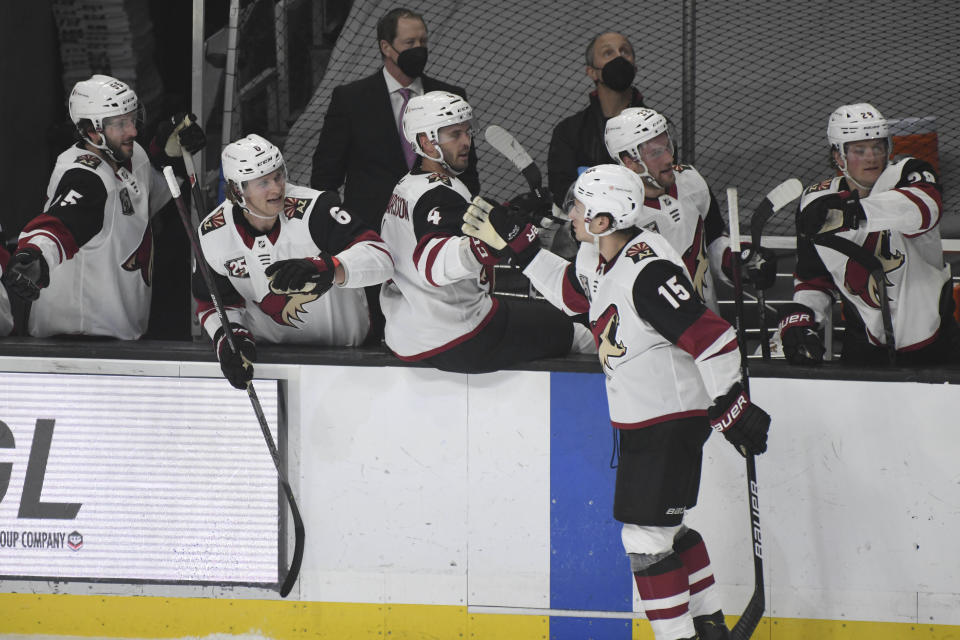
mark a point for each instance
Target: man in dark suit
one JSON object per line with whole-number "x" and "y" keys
{"x": 361, "y": 141}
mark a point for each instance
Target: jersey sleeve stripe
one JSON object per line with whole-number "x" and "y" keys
{"x": 702, "y": 334}
{"x": 929, "y": 216}
{"x": 820, "y": 283}
{"x": 367, "y": 236}
{"x": 436, "y": 245}
{"x": 53, "y": 228}
{"x": 572, "y": 292}
{"x": 727, "y": 348}
{"x": 422, "y": 245}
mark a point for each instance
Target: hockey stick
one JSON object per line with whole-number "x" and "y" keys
{"x": 294, "y": 570}
{"x": 871, "y": 263}
{"x": 504, "y": 142}
{"x": 754, "y": 612}
{"x": 780, "y": 196}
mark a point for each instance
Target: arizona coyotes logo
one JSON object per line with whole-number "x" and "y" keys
{"x": 142, "y": 258}
{"x": 860, "y": 282}
{"x": 695, "y": 259}
{"x": 214, "y": 221}
{"x": 820, "y": 186}
{"x": 295, "y": 207}
{"x": 285, "y": 307}
{"x": 439, "y": 177}
{"x": 605, "y": 330}
{"x": 639, "y": 251}
{"x": 88, "y": 160}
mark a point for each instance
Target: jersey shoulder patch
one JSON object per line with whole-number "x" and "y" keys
{"x": 214, "y": 221}
{"x": 441, "y": 178}
{"x": 295, "y": 207}
{"x": 820, "y": 186}
{"x": 88, "y": 160}
{"x": 680, "y": 168}
{"x": 640, "y": 250}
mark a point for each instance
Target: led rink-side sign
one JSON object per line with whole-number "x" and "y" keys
{"x": 136, "y": 479}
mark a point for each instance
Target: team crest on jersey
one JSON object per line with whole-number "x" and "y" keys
{"x": 295, "y": 207}
{"x": 126, "y": 206}
{"x": 440, "y": 177}
{"x": 609, "y": 345}
{"x": 639, "y": 251}
{"x": 236, "y": 267}
{"x": 88, "y": 160}
{"x": 695, "y": 259}
{"x": 680, "y": 168}
{"x": 861, "y": 283}
{"x": 820, "y": 186}
{"x": 142, "y": 259}
{"x": 214, "y": 221}
{"x": 285, "y": 306}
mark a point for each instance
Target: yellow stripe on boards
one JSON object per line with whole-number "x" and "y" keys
{"x": 153, "y": 617}
{"x": 803, "y": 629}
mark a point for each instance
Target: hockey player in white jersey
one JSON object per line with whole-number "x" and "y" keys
{"x": 689, "y": 217}
{"x": 891, "y": 210}
{"x": 87, "y": 261}
{"x": 6, "y": 315}
{"x": 673, "y": 371}
{"x": 289, "y": 262}
{"x": 438, "y": 306}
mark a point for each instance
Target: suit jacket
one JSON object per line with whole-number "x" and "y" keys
{"x": 360, "y": 142}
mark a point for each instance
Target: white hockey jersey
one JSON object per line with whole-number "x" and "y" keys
{"x": 6, "y": 316}
{"x": 96, "y": 238}
{"x": 440, "y": 293}
{"x": 690, "y": 221}
{"x": 665, "y": 354}
{"x": 311, "y": 221}
{"x": 902, "y": 230}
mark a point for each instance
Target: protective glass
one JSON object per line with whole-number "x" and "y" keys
{"x": 868, "y": 148}
{"x": 121, "y": 123}
{"x": 656, "y": 148}
{"x": 455, "y": 133}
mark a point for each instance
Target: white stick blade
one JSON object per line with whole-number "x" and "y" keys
{"x": 501, "y": 140}
{"x": 733, "y": 212}
{"x": 785, "y": 193}
{"x": 172, "y": 183}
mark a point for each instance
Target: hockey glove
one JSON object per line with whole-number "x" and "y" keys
{"x": 502, "y": 228}
{"x": 760, "y": 267}
{"x": 830, "y": 214}
{"x": 535, "y": 206}
{"x": 296, "y": 274}
{"x": 178, "y": 132}
{"x": 743, "y": 424}
{"x": 799, "y": 335}
{"x": 237, "y": 366}
{"x": 27, "y": 273}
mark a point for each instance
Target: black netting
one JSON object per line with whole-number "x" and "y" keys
{"x": 763, "y": 78}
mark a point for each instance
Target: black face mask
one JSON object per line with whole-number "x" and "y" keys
{"x": 618, "y": 74}
{"x": 412, "y": 61}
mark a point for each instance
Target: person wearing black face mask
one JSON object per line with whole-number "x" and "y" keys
{"x": 361, "y": 145}
{"x": 577, "y": 141}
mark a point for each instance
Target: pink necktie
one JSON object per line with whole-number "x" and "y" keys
{"x": 408, "y": 152}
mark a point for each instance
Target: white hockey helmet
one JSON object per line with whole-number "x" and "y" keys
{"x": 615, "y": 191}
{"x": 428, "y": 114}
{"x": 99, "y": 98}
{"x": 628, "y": 131}
{"x": 247, "y": 159}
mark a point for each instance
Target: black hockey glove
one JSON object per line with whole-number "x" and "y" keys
{"x": 760, "y": 267}
{"x": 799, "y": 335}
{"x": 535, "y": 206}
{"x": 237, "y": 367}
{"x": 831, "y": 213}
{"x": 27, "y": 273}
{"x": 743, "y": 424}
{"x": 295, "y": 274}
{"x": 180, "y": 131}
{"x": 502, "y": 227}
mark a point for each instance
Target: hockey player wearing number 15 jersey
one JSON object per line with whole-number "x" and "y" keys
{"x": 288, "y": 261}
{"x": 673, "y": 372}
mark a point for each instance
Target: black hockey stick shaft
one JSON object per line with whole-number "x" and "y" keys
{"x": 872, "y": 264}
{"x": 777, "y": 198}
{"x": 752, "y": 614}
{"x": 504, "y": 142}
{"x": 299, "y": 534}
{"x": 195, "y": 190}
